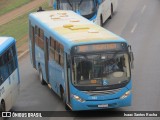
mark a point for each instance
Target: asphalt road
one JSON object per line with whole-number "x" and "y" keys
{"x": 138, "y": 21}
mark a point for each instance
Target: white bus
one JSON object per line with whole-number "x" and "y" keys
{"x": 9, "y": 73}
{"x": 97, "y": 11}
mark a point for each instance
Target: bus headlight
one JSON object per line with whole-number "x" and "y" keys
{"x": 78, "y": 98}
{"x": 126, "y": 94}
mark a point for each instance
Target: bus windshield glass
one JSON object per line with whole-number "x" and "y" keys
{"x": 86, "y": 8}
{"x": 65, "y": 5}
{"x": 103, "y": 69}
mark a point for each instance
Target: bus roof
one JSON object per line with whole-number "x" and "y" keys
{"x": 5, "y": 42}
{"x": 73, "y": 28}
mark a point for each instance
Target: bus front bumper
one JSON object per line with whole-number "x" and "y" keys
{"x": 95, "y": 105}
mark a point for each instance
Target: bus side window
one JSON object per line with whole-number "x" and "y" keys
{"x": 11, "y": 60}
{"x": 57, "y": 52}
{"x": 41, "y": 39}
{"x": 36, "y": 34}
{"x": 14, "y": 56}
{"x": 4, "y": 72}
{"x": 61, "y": 55}
{"x": 52, "y": 51}
{"x": 1, "y": 72}
{"x": 30, "y": 30}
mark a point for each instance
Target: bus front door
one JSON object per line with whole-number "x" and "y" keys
{"x": 33, "y": 47}
{"x": 68, "y": 75}
{"x": 46, "y": 58}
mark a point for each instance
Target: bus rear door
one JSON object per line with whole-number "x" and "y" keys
{"x": 32, "y": 32}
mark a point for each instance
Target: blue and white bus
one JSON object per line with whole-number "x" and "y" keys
{"x": 86, "y": 65}
{"x": 97, "y": 11}
{"x": 9, "y": 73}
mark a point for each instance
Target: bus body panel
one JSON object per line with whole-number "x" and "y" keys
{"x": 15, "y": 88}
{"x": 106, "y": 10}
{"x": 40, "y": 63}
{"x": 92, "y": 102}
{"x": 93, "y": 105}
{"x": 6, "y": 94}
{"x": 11, "y": 90}
{"x": 84, "y": 95}
{"x": 56, "y": 76}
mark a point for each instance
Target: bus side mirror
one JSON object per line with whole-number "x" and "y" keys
{"x": 99, "y": 2}
{"x": 131, "y": 56}
{"x": 131, "y": 59}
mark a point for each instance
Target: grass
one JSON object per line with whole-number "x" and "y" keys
{"x": 18, "y": 28}
{"x": 9, "y": 5}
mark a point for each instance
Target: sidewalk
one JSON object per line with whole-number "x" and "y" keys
{"x": 20, "y": 11}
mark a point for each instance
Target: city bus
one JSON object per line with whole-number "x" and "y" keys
{"x": 97, "y": 11}
{"x": 9, "y": 73}
{"x": 86, "y": 65}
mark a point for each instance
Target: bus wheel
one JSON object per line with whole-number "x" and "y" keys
{"x": 66, "y": 107}
{"x": 111, "y": 12}
{"x": 62, "y": 94}
{"x": 41, "y": 76}
{"x": 101, "y": 21}
{"x": 3, "y": 106}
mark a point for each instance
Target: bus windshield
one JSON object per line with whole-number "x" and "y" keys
{"x": 100, "y": 69}
{"x": 86, "y": 8}
{"x": 65, "y": 5}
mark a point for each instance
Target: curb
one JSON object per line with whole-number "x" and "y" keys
{"x": 24, "y": 53}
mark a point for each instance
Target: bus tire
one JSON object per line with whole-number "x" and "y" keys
{"x": 3, "y": 106}
{"x": 62, "y": 93}
{"x": 111, "y": 12}
{"x": 41, "y": 77}
{"x": 101, "y": 21}
{"x": 67, "y": 108}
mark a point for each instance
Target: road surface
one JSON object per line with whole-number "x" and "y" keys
{"x": 138, "y": 22}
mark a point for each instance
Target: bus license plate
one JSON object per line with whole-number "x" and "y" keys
{"x": 102, "y": 106}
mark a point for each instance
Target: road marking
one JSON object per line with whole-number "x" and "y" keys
{"x": 134, "y": 27}
{"x": 24, "y": 53}
{"x": 143, "y": 9}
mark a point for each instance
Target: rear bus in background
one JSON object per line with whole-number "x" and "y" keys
{"x": 9, "y": 73}
{"x": 86, "y": 65}
{"x": 97, "y": 11}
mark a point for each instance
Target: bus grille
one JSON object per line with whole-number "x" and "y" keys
{"x": 96, "y": 93}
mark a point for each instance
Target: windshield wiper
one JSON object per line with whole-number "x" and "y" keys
{"x": 125, "y": 81}
{"x": 70, "y": 3}
{"x": 80, "y": 3}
